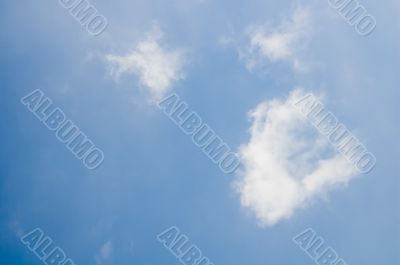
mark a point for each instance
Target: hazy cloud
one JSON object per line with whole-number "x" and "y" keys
{"x": 278, "y": 43}
{"x": 156, "y": 66}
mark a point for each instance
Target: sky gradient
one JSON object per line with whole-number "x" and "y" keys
{"x": 227, "y": 60}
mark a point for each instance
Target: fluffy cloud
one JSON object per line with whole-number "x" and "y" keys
{"x": 155, "y": 66}
{"x": 287, "y": 163}
{"x": 280, "y": 43}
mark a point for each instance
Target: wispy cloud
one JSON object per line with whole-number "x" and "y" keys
{"x": 286, "y": 162}
{"x": 278, "y": 43}
{"x": 156, "y": 66}
{"x": 104, "y": 253}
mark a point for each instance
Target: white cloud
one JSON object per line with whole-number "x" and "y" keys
{"x": 104, "y": 253}
{"x": 281, "y": 43}
{"x": 156, "y": 67}
{"x": 287, "y": 163}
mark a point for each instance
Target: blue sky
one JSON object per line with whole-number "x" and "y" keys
{"x": 153, "y": 176}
